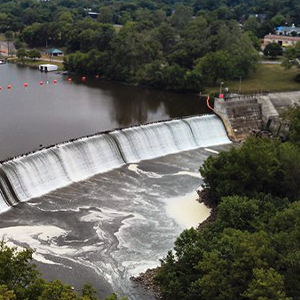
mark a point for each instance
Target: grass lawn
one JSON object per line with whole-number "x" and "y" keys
{"x": 36, "y": 63}
{"x": 61, "y": 58}
{"x": 268, "y": 78}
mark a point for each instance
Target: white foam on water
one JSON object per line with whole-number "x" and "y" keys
{"x": 135, "y": 168}
{"x": 41, "y": 238}
{"x": 211, "y": 151}
{"x": 3, "y": 205}
{"x": 192, "y": 174}
{"x": 186, "y": 210}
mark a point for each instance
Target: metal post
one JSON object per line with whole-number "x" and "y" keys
{"x": 240, "y": 89}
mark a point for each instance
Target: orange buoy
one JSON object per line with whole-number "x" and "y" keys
{"x": 41, "y": 82}
{"x": 26, "y": 84}
{"x": 83, "y": 78}
{"x": 54, "y": 81}
{"x": 9, "y": 87}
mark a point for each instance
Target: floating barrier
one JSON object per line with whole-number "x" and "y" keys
{"x": 54, "y": 81}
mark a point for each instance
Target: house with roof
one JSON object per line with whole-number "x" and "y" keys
{"x": 282, "y": 40}
{"x": 288, "y": 30}
{"x": 54, "y": 52}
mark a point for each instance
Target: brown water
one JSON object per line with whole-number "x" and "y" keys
{"x": 52, "y": 113}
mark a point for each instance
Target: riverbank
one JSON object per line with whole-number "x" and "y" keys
{"x": 35, "y": 63}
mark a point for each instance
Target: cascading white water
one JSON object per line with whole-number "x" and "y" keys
{"x": 3, "y": 205}
{"x": 146, "y": 142}
{"x": 209, "y": 131}
{"x": 46, "y": 170}
{"x": 183, "y": 136}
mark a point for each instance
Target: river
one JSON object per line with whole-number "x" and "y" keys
{"x": 117, "y": 201}
{"x": 55, "y": 112}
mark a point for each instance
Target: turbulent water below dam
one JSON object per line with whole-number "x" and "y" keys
{"x": 105, "y": 208}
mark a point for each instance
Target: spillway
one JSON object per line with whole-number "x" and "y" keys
{"x": 39, "y": 173}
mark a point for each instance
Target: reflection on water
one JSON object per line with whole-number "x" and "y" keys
{"x": 138, "y": 105}
{"x": 52, "y": 113}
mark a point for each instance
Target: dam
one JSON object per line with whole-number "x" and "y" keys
{"x": 39, "y": 173}
{"x": 103, "y": 208}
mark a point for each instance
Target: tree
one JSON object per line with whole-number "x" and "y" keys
{"x": 16, "y": 271}
{"x": 33, "y": 54}
{"x": 18, "y": 44}
{"x": 266, "y": 284}
{"x": 9, "y": 36}
{"x": 21, "y": 54}
{"x": 292, "y": 116}
{"x": 181, "y": 16}
{"x": 216, "y": 65}
{"x": 252, "y": 25}
{"x": 292, "y": 56}
{"x": 6, "y": 294}
{"x": 105, "y": 15}
{"x": 273, "y": 50}
{"x": 260, "y": 165}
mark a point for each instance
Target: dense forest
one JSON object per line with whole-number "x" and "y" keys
{"x": 164, "y": 44}
{"x": 252, "y": 249}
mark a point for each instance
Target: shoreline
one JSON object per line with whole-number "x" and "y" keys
{"x": 34, "y": 63}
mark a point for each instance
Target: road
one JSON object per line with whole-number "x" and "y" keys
{"x": 270, "y": 62}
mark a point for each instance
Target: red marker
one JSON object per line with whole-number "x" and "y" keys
{"x": 26, "y": 84}
{"x": 83, "y": 78}
{"x": 54, "y": 81}
{"x": 97, "y": 76}
{"x": 70, "y": 80}
{"x": 41, "y": 82}
{"x": 9, "y": 87}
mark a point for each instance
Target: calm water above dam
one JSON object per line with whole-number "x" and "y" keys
{"x": 51, "y": 113}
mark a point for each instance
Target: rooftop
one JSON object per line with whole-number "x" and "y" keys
{"x": 282, "y": 37}
{"x": 54, "y": 51}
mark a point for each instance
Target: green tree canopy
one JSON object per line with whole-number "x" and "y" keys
{"x": 273, "y": 50}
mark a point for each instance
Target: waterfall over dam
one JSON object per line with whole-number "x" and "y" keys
{"x": 41, "y": 172}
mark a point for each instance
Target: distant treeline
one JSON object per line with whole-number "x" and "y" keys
{"x": 164, "y": 44}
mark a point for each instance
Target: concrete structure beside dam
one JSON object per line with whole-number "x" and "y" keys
{"x": 244, "y": 114}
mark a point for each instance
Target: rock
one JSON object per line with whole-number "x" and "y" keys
{"x": 146, "y": 279}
